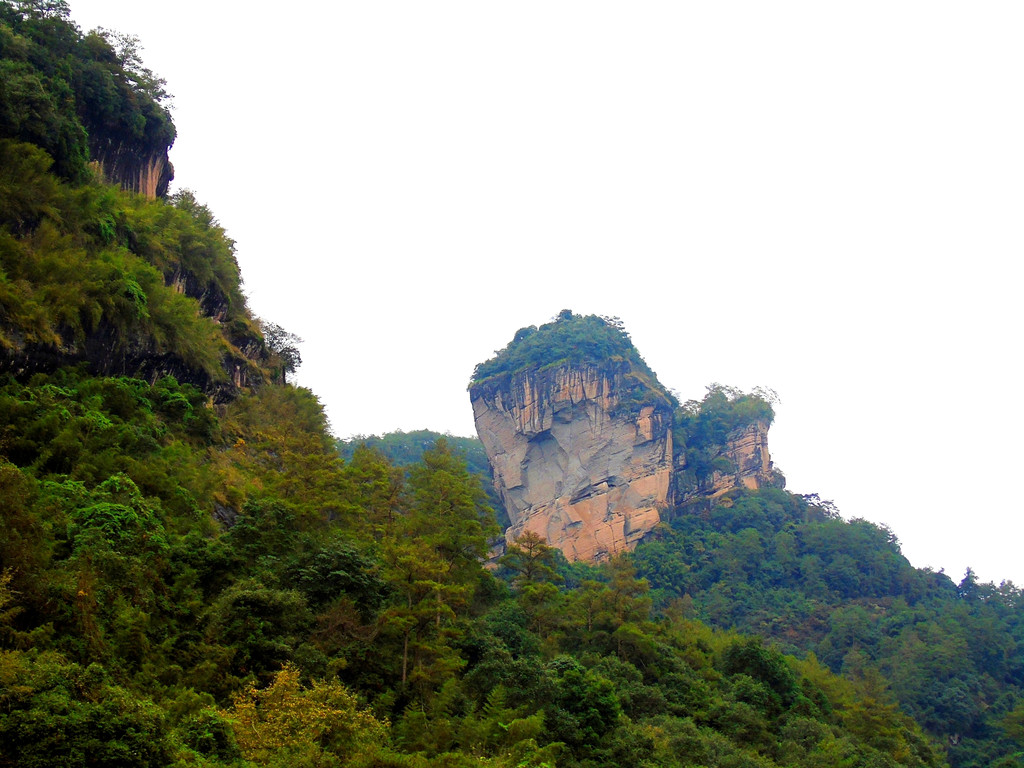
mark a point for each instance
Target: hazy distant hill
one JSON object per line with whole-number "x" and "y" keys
{"x": 405, "y": 448}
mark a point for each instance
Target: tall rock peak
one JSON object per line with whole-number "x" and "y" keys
{"x": 582, "y": 439}
{"x": 570, "y": 462}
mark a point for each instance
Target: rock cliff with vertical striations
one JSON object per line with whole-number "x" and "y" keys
{"x": 573, "y": 462}
{"x": 589, "y": 451}
{"x": 149, "y": 174}
{"x": 746, "y": 449}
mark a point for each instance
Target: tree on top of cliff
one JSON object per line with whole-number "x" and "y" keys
{"x": 76, "y": 96}
{"x": 725, "y": 408}
{"x": 568, "y": 339}
{"x": 702, "y": 427}
{"x": 284, "y": 346}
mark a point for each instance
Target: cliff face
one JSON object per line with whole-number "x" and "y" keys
{"x": 148, "y": 174}
{"x": 746, "y": 450}
{"x": 573, "y": 463}
{"x": 580, "y": 437}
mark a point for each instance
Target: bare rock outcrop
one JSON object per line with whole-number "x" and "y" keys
{"x": 574, "y": 463}
{"x": 589, "y": 451}
{"x": 746, "y": 449}
{"x": 149, "y": 174}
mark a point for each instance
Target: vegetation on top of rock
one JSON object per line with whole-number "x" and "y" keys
{"x": 569, "y": 338}
{"x": 76, "y": 96}
{"x": 702, "y": 427}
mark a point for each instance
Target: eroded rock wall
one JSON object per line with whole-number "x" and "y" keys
{"x": 747, "y": 451}
{"x": 149, "y": 175}
{"x": 750, "y": 467}
{"x": 571, "y": 462}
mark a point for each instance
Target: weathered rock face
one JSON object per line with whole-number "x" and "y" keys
{"x": 580, "y": 437}
{"x": 149, "y": 175}
{"x": 571, "y": 462}
{"x": 747, "y": 450}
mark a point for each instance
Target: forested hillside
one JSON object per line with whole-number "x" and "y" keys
{"x": 87, "y": 100}
{"x": 191, "y": 575}
{"x": 91, "y": 275}
{"x": 790, "y": 569}
{"x": 405, "y": 448}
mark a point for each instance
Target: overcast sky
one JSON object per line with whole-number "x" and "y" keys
{"x": 821, "y": 198}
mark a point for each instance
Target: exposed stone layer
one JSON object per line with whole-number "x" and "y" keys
{"x": 747, "y": 450}
{"x": 593, "y": 475}
{"x": 571, "y": 462}
{"x": 148, "y": 175}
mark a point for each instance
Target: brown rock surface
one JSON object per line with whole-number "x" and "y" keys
{"x": 149, "y": 175}
{"x": 747, "y": 449}
{"x": 573, "y": 464}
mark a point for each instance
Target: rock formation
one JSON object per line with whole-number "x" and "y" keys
{"x": 571, "y": 462}
{"x": 745, "y": 450}
{"x": 582, "y": 450}
{"x": 148, "y": 174}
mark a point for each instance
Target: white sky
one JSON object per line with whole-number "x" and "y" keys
{"x": 821, "y": 198}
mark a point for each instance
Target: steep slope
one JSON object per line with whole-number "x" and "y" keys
{"x": 122, "y": 282}
{"x": 124, "y": 285}
{"x": 570, "y": 462}
{"x": 87, "y": 100}
{"x": 588, "y": 449}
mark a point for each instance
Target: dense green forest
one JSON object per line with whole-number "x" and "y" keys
{"x": 192, "y": 575}
{"x": 405, "y": 448}
{"x": 343, "y": 617}
{"x": 790, "y": 569}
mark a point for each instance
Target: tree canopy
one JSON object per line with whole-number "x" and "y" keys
{"x": 77, "y": 96}
{"x": 569, "y": 338}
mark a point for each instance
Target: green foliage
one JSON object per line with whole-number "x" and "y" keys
{"x": 284, "y": 346}
{"x": 365, "y": 581}
{"x": 183, "y": 583}
{"x": 76, "y": 96}
{"x": 53, "y": 713}
{"x": 262, "y": 626}
{"x": 702, "y": 427}
{"x": 531, "y": 560}
{"x": 403, "y": 449}
{"x": 127, "y": 284}
{"x": 448, "y": 508}
{"x": 570, "y": 339}
{"x": 790, "y": 568}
